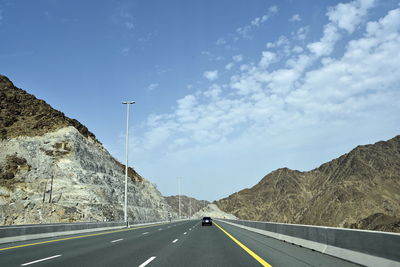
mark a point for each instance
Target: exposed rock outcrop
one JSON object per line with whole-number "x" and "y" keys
{"x": 360, "y": 189}
{"x": 52, "y": 169}
{"x": 212, "y": 210}
{"x": 189, "y": 205}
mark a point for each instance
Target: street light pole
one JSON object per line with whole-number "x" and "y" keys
{"x": 179, "y": 197}
{"x": 127, "y": 103}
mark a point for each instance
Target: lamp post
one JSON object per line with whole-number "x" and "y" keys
{"x": 179, "y": 197}
{"x": 127, "y": 103}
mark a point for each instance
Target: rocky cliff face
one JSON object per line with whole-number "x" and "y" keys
{"x": 52, "y": 169}
{"x": 360, "y": 189}
{"x": 22, "y": 114}
{"x": 212, "y": 210}
{"x": 189, "y": 205}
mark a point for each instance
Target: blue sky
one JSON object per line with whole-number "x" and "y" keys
{"x": 226, "y": 91}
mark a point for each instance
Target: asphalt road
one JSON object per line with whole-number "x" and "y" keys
{"x": 185, "y": 243}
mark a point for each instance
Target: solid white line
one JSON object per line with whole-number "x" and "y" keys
{"x": 185, "y": 233}
{"x": 175, "y": 240}
{"x": 147, "y": 262}
{"x": 117, "y": 240}
{"x": 32, "y": 262}
{"x": 145, "y": 233}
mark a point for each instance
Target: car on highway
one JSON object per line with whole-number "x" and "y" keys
{"x": 206, "y": 221}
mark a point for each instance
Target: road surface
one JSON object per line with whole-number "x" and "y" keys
{"x": 184, "y": 243}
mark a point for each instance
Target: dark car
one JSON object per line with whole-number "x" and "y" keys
{"x": 206, "y": 221}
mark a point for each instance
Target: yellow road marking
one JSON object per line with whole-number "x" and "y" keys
{"x": 254, "y": 255}
{"x": 76, "y": 237}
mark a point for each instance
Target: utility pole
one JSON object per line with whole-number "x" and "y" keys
{"x": 127, "y": 103}
{"x": 51, "y": 184}
{"x": 179, "y": 197}
{"x": 44, "y": 192}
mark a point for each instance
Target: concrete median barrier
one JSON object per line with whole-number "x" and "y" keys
{"x": 15, "y": 233}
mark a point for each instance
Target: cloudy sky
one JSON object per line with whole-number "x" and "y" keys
{"x": 226, "y": 91}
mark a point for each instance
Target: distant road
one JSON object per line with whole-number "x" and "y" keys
{"x": 185, "y": 243}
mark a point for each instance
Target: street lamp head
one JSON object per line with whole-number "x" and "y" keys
{"x": 128, "y": 102}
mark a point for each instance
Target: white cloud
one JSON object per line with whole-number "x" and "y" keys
{"x": 129, "y": 25}
{"x": 385, "y": 26}
{"x": 343, "y": 16}
{"x": 221, "y": 41}
{"x": 147, "y": 37}
{"x": 273, "y": 9}
{"x": 152, "y": 87}
{"x": 282, "y": 41}
{"x": 348, "y": 16}
{"x": 267, "y": 59}
{"x": 297, "y": 49}
{"x": 214, "y": 92}
{"x": 244, "y": 31}
{"x": 124, "y": 17}
{"x": 125, "y": 51}
{"x": 265, "y": 111}
{"x": 256, "y": 22}
{"x": 302, "y": 33}
{"x": 295, "y": 17}
{"x": 237, "y": 58}
{"x": 211, "y": 56}
{"x": 326, "y": 44}
{"x": 229, "y": 65}
{"x": 283, "y": 44}
{"x": 211, "y": 75}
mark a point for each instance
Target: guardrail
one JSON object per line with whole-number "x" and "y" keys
{"x": 16, "y": 233}
{"x": 31, "y": 229}
{"x": 370, "y": 248}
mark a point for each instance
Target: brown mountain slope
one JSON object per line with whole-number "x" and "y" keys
{"x": 22, "y": 114}
{"x": 189, "y": 205}
{"x": 360, "y": 189}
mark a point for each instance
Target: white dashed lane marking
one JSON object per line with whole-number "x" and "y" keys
{"x": 117, "y": 240}
{"x": 175, "y": 241}
{"x": 147, "y": 262}
{"x": 36, "y": 261}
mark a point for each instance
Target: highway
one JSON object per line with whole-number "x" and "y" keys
{"x": 184, "y": 243}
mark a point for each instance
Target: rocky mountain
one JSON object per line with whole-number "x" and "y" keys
{"x": 53, "y": 169}
{"x": 189, "y": 205}
{"x": 22, "y": 114}
{"x": 212, "y": 210}
{"x": 360, "y": 189}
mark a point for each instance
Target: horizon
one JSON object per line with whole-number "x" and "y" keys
{"x": 223, "y": 97}
{"x": 316, "y": 167}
